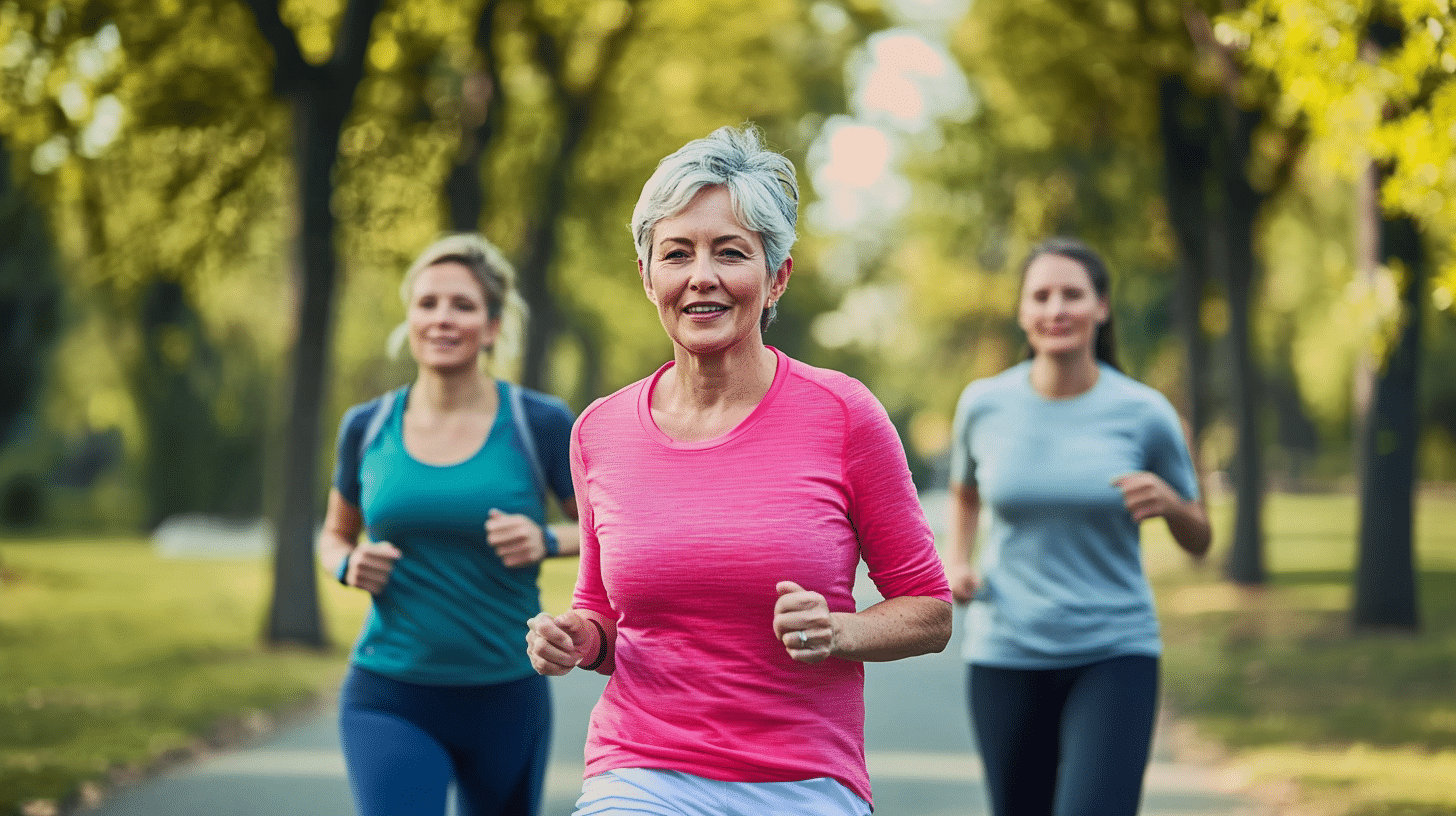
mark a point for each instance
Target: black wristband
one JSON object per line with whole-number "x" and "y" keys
{"x": 601, "y": 651}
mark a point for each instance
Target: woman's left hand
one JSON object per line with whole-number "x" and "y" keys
{"x": 803, "y": 624}
{"x": 517, "y": 539}
{"x": 1146, "y": 495}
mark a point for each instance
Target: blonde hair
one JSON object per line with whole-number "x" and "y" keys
{"x": 497, "y": 279}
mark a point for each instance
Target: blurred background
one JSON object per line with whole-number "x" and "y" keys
{"x": 206, "y": 207}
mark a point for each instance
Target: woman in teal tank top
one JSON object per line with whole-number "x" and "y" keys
{"x": 1067, "y": 456}
{"x": 448, "y": 478}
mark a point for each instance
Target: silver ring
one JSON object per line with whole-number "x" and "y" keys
{"x": 803, "y": 638}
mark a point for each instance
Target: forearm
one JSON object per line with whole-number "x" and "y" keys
{"x": 965, "y": 517}
{"x": 961, "y": 542}
{"x": 339, "y": 533}
{"x": 892, "y": 629}
{"x": 568, "y": 538}
{"x": 1188, "y": 524}
{"x": 568, "y": 533}
{"x": 333, "y": 548}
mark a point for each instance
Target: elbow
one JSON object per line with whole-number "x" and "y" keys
{"x": 1198, "y": 544}
{"x": 940, "y": 629}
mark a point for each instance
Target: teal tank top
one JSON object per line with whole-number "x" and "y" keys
{"x": 453, "y": 613}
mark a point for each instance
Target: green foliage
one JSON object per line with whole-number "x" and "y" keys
{"x": 1372, "y": 80}
{"x": 149, "y": 133}
{"x": 128, "y": 115}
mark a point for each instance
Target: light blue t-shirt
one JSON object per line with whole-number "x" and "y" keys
{"x": 1059, "y": 554}
{"x": 452, "y": 613}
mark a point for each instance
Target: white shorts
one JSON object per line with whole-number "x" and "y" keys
{"x": 673, "y": 793}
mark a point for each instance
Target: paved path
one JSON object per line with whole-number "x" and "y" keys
{"x": 921, "y": 759}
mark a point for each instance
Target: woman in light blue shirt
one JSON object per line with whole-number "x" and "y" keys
{"x": 1068, "y": 456}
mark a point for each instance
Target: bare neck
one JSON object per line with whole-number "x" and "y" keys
{"x": 1064, "y": 376}
{"x": 703, "y": 397}
{"x": 454, "y": 392}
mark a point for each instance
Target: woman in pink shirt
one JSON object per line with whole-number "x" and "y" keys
{"x": 725, "y": 502}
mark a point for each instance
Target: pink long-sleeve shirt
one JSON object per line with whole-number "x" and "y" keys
{"x": 683, "y": 543}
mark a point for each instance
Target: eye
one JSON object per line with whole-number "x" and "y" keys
{"x": 465, "y": 304}
{"x": 734, "y": 253}
{"x": 674, "y": 254}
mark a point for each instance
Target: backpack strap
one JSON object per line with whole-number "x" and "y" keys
{"x": 526, "y": 437}
{"x": 378, "y": 418}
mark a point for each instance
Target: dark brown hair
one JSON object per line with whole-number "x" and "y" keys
{"x": 1105, "y": 343}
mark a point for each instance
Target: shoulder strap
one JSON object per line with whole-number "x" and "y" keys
{"x": 526, "y": 437}
{"x": 382, "y": 408}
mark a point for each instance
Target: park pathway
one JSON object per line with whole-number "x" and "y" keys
{"x": 921, "y": 758}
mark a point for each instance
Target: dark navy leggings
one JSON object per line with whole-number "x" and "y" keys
{"x": 404, "y": 743}
{"x": 1065, "y": 742}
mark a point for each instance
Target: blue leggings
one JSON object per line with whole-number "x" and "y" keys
{"x": 404, "y": 743}
{"x": 1065, "y": 742}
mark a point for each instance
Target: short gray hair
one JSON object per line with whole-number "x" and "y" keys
{"x": 489, "y": 267}
{"x": 762, "y": 186}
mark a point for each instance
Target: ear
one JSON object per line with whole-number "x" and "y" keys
{"x": 491, "y": 335}
{"x": 1104, "y": 311}
{"x": 646, "y": 281}
{"x": 780, "y": 281}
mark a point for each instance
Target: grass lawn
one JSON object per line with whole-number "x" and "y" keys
{"x": 1319, "y": 719}
{"x": 113, "y": 659}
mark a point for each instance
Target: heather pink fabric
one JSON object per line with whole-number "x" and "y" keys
{"x": 683, "y": 543}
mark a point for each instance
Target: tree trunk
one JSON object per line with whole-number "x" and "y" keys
{"x": 482, "y": 110}
{"x": 579, "y": 109}
{"x": 294, "y": 615}
{"x": 1186, "y": 128}
{"x": 1385, "y": 592}
{"x": 1245, "y": 561}
{"x": 320, "y": 99}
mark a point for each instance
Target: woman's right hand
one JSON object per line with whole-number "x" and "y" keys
{"x": 370, "y": 566}
{"x": 556, "y": 645}
{"x": 963, "y": 582}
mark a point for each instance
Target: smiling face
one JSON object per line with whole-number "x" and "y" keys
{"x": 1060, "y": 310}
{"x": 449, "y": 323}
{"x": 708, "y": 276}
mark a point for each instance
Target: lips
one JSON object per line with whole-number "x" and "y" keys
{"x": 705, "y": 309}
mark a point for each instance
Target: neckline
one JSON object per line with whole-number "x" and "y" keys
{"x": 649, "y": 425}
{"x": 1102, "y": 370}
{"x": 502, "y": 407}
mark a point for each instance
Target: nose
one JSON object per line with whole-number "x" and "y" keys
{"x": 702, "y": 277}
